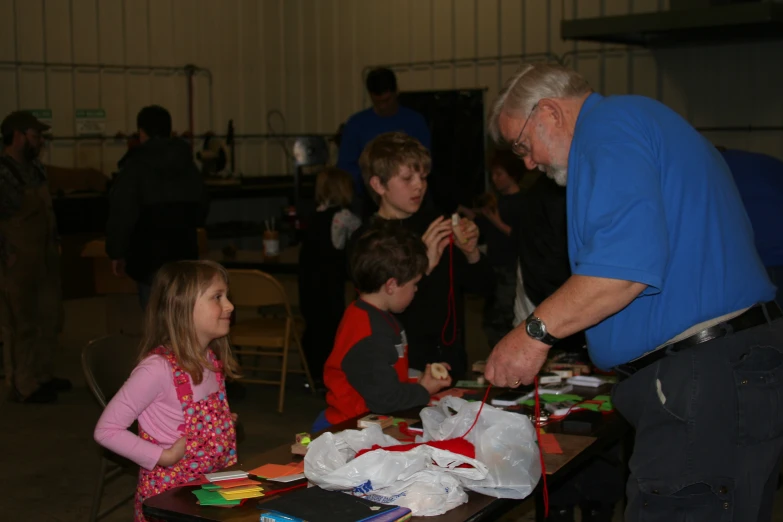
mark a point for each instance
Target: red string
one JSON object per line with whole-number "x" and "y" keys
{"x": 538, "y": 424}
{"x": 452, "y": 302}
{"x": 483, "y": 402}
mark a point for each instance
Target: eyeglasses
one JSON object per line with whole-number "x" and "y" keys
{"x": 519, "y": 149}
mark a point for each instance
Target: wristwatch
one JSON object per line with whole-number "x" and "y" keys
{"x": 536, "y": 329}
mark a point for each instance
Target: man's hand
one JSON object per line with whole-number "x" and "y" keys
{"x": 436, "y": 237}
{"x": 516, "y": 359}
{"x": 470, "y": 233}
{"x": 118, "y": 267}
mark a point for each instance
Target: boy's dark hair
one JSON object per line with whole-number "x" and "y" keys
{"x": 387, "y": 250}
{"x": 155, "y": 121}
{"x": 510, "y": 162}
{"x": 380, "y": 81}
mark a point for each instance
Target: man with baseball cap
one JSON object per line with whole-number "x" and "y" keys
{"x": 30, "y": 295}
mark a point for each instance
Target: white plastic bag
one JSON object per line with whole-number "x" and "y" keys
{"x": 426, "y": 480}
{"x": 505, "y": 443}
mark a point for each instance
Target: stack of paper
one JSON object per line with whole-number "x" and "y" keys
{"x": 280, "y": 472}
{"x": 228, "y": 489}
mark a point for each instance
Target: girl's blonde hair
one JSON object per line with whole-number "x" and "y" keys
{"x": 334, "y": 186}
{"x": 168, "y": 320}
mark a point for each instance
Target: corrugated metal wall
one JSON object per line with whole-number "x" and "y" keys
{"x": 295, "y": 66}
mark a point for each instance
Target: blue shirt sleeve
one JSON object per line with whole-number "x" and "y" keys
{"x": 423, "y": 132}
{"x": 350, "y": 150}
{"x": 623, "y": 230}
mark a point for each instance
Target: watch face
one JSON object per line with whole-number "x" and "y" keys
{"x": 536, "y": 329}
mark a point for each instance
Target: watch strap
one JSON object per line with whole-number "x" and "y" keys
{"x": 547, "y": 338}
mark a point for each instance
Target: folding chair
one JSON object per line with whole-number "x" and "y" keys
{"x": 106, "y": 363}
{"x": 265, "y": 336}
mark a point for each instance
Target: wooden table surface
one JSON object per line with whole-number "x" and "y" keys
{"x": 180, "y": 504}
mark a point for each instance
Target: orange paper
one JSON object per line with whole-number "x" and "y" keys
{"x": 549, "y": 444}
{"x": 228, "y": 484}
{"x": 272, "y": 471}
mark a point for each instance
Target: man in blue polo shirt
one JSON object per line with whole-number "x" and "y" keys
{"x": 669, "y": 285}
{"x": 385, "y": 115}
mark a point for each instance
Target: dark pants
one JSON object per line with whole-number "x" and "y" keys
{"x": 709, "y": 430}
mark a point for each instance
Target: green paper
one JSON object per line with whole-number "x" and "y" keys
{"x": 551, "y": 397}
{"x": 210, "y": 487}
{"x": 469, "y": 384}
{"x": 607, "y": 406}
{"x": 396, "y": 421}
{"x": 529, "y": 402}
{"x": 602, "y": 398}
{"x": 589, "y": 406}
{"x": 213, "y": 498}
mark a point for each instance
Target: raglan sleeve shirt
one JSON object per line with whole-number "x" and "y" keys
{"x": 369, "y": 368}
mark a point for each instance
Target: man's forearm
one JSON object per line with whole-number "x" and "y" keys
{"x": 584, "y": 301}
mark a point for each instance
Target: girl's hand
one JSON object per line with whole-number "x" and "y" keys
{"x": 234, "y": 417}
{"x": 174, "y": 454}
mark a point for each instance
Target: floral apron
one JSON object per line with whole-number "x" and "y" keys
{"x": 209, "y": 431}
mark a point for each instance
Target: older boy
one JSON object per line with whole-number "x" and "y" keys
{"x": 368, "y": 367}
{"x": 395, "y": 168}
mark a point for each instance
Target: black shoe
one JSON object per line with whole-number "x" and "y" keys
{"x": 40, "y": 396}
{"x": 597, "y": 512}
{"x": 58, "y": 385}
{"x": 561, "y": 514}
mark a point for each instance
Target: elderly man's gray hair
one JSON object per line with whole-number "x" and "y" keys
{"x": 530, "y": 84}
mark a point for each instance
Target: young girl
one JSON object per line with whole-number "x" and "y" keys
{"x": 177, "y": 390}
{"x": 323, "y": 266}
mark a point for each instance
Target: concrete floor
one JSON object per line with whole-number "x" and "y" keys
{"x": 50, "y": 462}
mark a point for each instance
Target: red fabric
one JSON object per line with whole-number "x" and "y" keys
{"x": 459, "y": 446}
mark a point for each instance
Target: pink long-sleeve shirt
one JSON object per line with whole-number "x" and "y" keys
{"x": 148, "y": 395}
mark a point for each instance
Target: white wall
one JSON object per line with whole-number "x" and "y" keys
{"x": 305, "y": 59}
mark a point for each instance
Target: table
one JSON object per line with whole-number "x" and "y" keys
{"x": 287, "y": 262}
{"x": 179, "y": 505}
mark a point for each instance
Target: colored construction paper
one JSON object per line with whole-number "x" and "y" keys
{"x": 270, "y": 471}
{"x": 236, "y": 483}
{"x": 549, "y": 444}
{"x": 551, "y": 397}
{"x": 211, "y": 498}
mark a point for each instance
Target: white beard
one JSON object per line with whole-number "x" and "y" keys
{"x": 560, "y": 175}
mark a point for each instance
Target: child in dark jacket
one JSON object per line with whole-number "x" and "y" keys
{"x": 395, "y": 168}
{"x": 367, "y": 370}
{"x": 322, "y": 263}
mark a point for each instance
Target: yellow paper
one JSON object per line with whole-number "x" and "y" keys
{"x": 238, "y": 496}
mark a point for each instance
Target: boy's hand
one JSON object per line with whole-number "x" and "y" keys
{"x": 430, "y": 383}
{"x": 470, "y": 233}
{"x": 174, "y": 454}
{"x": 436, "y": 237}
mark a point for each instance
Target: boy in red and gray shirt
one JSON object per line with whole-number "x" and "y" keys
{"x": 367, "y": 370}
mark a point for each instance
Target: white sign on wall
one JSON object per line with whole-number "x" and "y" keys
{"x": 90, "y": 122}
{"x": 42, "y": 115}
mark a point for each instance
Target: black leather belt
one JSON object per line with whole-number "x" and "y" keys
{"x": 755, "y": 316}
